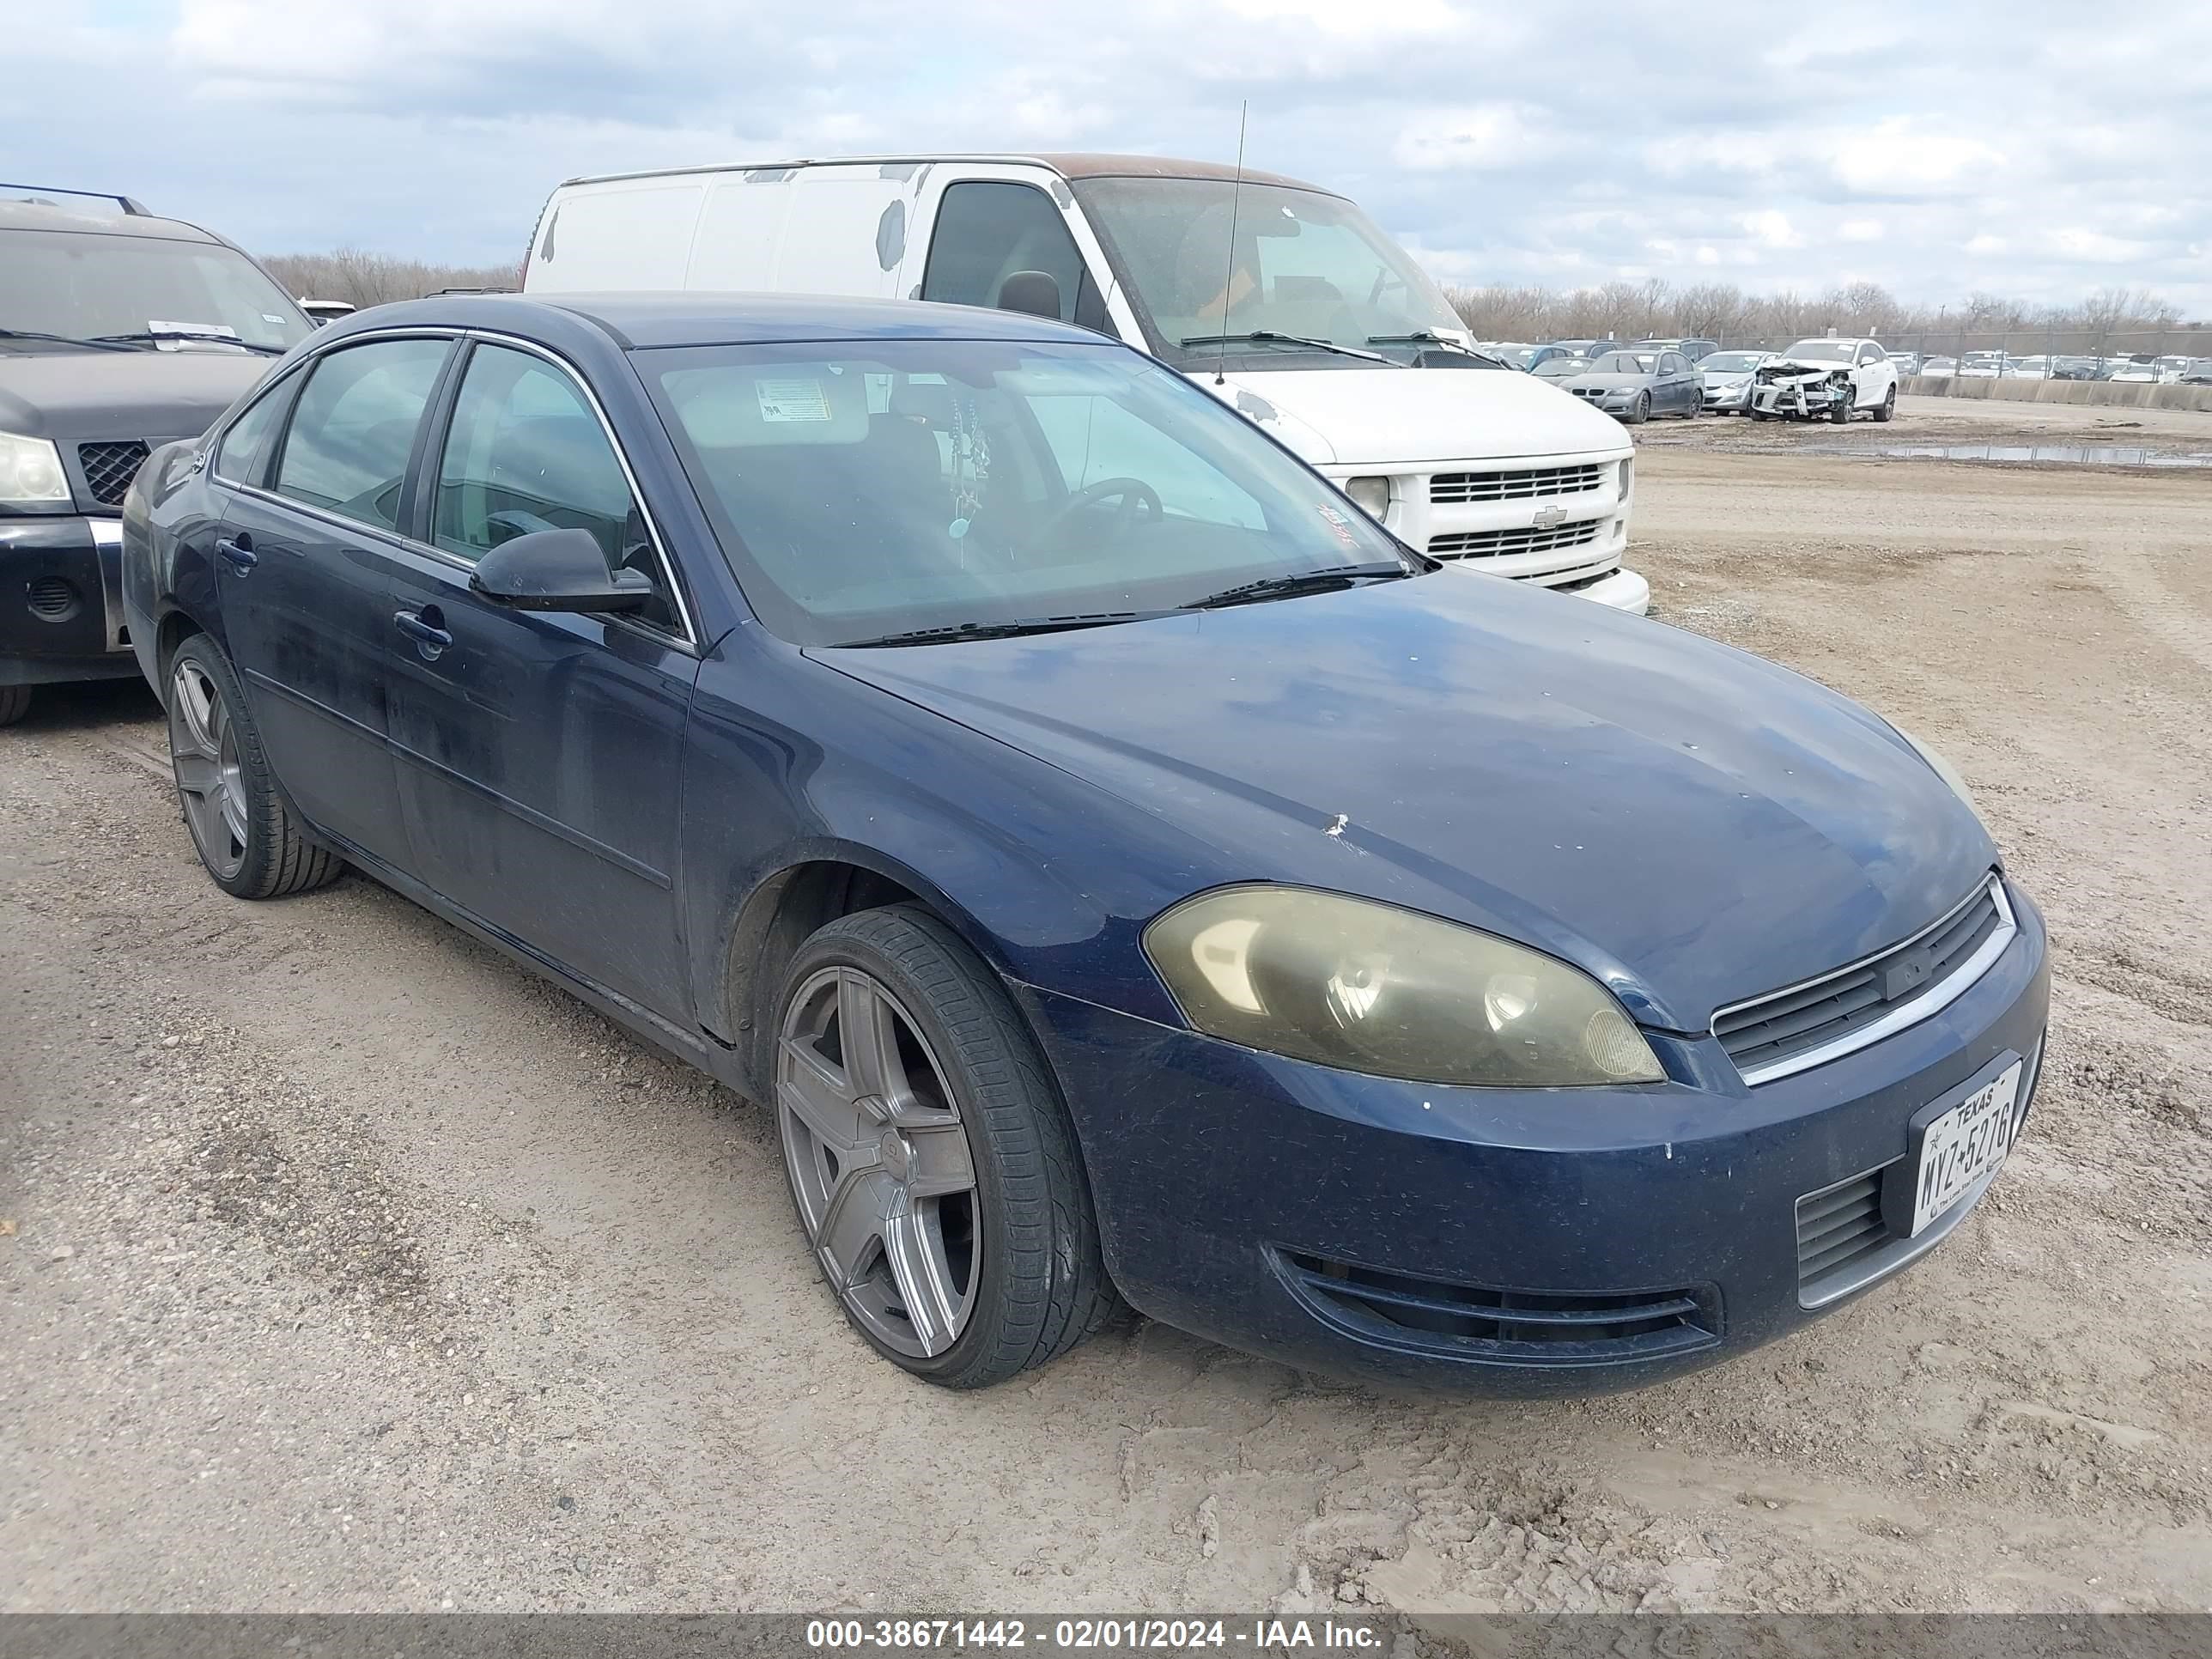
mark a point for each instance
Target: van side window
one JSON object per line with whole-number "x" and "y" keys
{"x": 987, "y": 231}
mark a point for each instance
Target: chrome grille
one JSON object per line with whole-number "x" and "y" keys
{"x": 109, "y": 467}
{"x": 1496, "y": 543}
{"x": 1523, "y": 484}
{"x": 1791, "y": 1029}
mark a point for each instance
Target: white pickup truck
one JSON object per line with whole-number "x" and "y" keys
{"x": 1283, "y": 300}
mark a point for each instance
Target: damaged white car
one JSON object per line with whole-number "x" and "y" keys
{"x": 1826, "y": 379}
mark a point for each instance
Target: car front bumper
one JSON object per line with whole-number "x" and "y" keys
{"x": 61, "y": 601}
{"x": 1319, "y": 1217}
{"x": 1798, "y": 397}
{"x": 1729, "y": 397}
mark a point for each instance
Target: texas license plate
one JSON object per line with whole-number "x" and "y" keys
{"x": 1963, "y": 1145}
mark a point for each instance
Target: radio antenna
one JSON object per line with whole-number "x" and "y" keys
{"x": 1228, "y": 276}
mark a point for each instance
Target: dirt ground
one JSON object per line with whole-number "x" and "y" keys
{"x": 343, "y": 1266}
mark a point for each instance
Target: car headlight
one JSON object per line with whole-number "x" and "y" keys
{"x": 1369, "y": 987}
{"x": 31, "y": 472}
{"x": 1942, "y": 768}
{"x": 1372, "y": 496}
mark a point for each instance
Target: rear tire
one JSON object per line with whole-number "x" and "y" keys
{"x": 1888, "y": 411}
{"x": 14, "y": 703}
{"x": 933, "y": 1165}
{"x": 246, "y": 835}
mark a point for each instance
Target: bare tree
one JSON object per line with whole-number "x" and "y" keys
{"x": 362, "y": 278}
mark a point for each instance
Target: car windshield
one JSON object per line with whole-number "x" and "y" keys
{"x": 1823, "y": 351}
{"x": 1559, "y": 367}
{"x": 91, "y": 284}
{"x": 1304, "y": 264}
{"x": 871, "y": 489}
{"x": 1730, "y": 362}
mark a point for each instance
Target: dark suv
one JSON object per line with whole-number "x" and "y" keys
{"x": 118, "y": 333}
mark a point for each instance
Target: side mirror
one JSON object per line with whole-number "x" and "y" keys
{"x": 557, "y": 570}
{"x": 1033, "y": 293}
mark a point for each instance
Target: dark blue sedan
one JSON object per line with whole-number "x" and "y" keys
{"x": 1130, "y": 873}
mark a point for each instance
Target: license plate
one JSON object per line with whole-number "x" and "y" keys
{"x": 1966, "y": 1143}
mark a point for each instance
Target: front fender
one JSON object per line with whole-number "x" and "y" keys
{"x": 1047, "y": 878}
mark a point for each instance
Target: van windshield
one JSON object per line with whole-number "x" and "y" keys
{"x": 1305, "y": 265}
{"x": 867, "y": 490}
{"x": 189, "y": 295}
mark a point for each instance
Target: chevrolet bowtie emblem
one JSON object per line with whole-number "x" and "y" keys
{"x": 1549, "y": 516}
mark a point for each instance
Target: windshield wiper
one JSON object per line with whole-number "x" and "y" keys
{"x": 1270, "y": 336}
{"x": 1306, "y": 581}
{"x": 152, "y": 337}
{"x": 1430, "y": 337}
{"x": 953, "y": 632}
{"x": 65, "y": 339}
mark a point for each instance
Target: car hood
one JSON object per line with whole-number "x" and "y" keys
{"x": 1391, "y": 417}
{"x": 73, "y": 396}
{"x": 1793, "y": 366}
{"x": 1610, "y": 382}
{"x": 1726, "y": 376}
{"x": 1692, "y": 825}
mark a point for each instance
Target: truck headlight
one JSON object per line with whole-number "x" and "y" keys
{"x": 1627, "y": 477}
{"x": 1372, "y": 496}
{"x": 1369, "y": 987}
{"x": 31, "y": 472}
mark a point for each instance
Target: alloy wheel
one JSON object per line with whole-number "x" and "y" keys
{"x": 879, "y": 1161}
{"x": 204, "y": 754}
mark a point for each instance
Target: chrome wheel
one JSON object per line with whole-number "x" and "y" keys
{"x": 204, "y": 754}
{"x": 879, "y": 1161}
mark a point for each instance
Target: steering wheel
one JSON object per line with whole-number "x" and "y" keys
{"x": 1137, "y": 498}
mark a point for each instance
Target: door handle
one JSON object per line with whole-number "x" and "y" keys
{"x": 238, "y": 552}
{"x": 422, "y": 627}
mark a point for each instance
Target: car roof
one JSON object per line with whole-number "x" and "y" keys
{"x": 37, "y": 213}
{"x": 1071, "y": 165}
{"x": 647, "y": 320}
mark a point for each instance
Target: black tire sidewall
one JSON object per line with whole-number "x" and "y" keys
{"x": 978, "y": 1356}
{"x": 254, "y": 877}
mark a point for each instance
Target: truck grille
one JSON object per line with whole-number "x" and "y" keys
{"x": 1524, "y": 484}
{"x": 109, "y": 467}
{"x": 1525, "y": 1326}
{"x": 1496, "y": 543}
{"x": 1764, "y": 1034}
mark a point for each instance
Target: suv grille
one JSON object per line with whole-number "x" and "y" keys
{"x": 1496, "y": 543}
{"x": 1526, "y": 1326}
{"x": 1765, "y": 1034}
{"x": 1450, "y": 489}
{"x": 109, "y": 467}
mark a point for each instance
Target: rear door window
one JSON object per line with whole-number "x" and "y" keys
{"x": 987, "y": 230}
{"x": 354, "y": 429}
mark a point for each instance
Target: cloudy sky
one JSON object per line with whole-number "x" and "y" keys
{"x": 2032, "y": 150}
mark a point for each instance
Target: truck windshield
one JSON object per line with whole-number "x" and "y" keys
{"x": 164, "y": 294}
{"x": 918, "y": 491}
{"x": 1305, "y": 265}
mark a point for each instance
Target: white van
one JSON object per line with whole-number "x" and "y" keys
{"x": 1314, "y": 323}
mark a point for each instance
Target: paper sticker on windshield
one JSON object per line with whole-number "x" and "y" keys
{"x": 792, "y": 400}
{"x": 1337, "y": 522}
{"x": 171, "y": 336}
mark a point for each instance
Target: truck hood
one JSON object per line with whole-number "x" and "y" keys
{"x": 76, "y": 396}
{"x": 1692, "y": 825}
{"x": 1394, "y": 418}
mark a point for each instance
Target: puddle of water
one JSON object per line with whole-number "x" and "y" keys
{"x": 2064, "y": 454}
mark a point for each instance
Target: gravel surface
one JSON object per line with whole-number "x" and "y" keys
{"x": 342, "y": 1266}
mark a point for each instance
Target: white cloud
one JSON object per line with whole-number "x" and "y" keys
{"x": 2095, "y": 247}
{"x": 1484, "y": 136}
{"x": 1899, "y": 157}
{"x": 1771, "y": 229}
{"x": 1860, "y": 230}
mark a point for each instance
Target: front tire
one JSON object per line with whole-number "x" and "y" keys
{"x": 245, "y": 834}
{"x": 932, "y": 1163}
{"x": 1642, "y": 412}
{"x": 1840, "y": 411}
{"x": 14, "y": 703}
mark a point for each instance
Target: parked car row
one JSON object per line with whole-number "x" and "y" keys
{"x": 1998, "y": 365}
{"x": 1128, "y": 867}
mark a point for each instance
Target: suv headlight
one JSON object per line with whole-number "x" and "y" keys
{"x": 31, "y": 472}
{"x": 1369, "y": 987}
